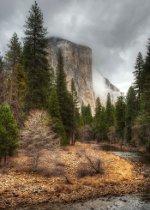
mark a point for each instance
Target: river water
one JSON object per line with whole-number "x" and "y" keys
{"x": 127, "y": 202}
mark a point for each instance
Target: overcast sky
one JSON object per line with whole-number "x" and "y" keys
{"x": 116, "y": 30}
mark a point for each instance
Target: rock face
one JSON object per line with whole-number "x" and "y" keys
{"x": 77, "y": 65}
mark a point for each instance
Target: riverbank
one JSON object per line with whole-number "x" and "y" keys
{"x": 76, "y": 180}
{"x": 124, "y": 147}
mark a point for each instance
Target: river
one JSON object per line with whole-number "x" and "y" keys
{"x": 127, "y": 202}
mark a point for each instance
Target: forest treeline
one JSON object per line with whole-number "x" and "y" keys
{"x": 27, "y": 82}
{"x": 128, "y": 120}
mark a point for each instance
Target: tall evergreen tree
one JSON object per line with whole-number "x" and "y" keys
{"x": 146, "y": 86}
{"x": 13, "y": 58}
{"x": 54, "y": 104}
{"x": 131, "y": 112}
{"x": 138, "y": 78}
{"x": 120, "y": 117}
{"x": 21, "y": 89}
{"x": 1, "y": 80}
{"x": 75, "y": 111}
{"x": 16, "y": 78}
{"x": 35, "y": 59}
{"x": 64, "y": 98}
{"x": 97, "y": 122}
{"x": 54, "y": 110}
{"x": 14, "y": 53}
{"x": 109, "y": 112}
{"x": 86, "y": 114}
{"x": 97, "y": 117}
{"x": 103, "y": 125}
{"x": 8, "y": 133}
{"x": 145, "y": 102}
{"x": 1, "y": 64}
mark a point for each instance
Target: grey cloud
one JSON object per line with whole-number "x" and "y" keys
{"x": 115, "y": 30}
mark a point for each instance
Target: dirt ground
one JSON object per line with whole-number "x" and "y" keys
{"x": 65, "y": 175}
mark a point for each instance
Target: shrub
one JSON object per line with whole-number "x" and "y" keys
{"x": 84, "y": 170}
{"x": 91, "y": 167}
{"x": 95, "y": 164}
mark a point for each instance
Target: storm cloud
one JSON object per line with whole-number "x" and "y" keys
{"x": 116, "y": 30}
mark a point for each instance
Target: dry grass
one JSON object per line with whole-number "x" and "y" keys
{"x": 58, "y": 166}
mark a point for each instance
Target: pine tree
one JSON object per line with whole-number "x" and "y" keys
{"x": 120, "y": 117}
{"x": 138, "y": 78}
{"x": 64, "y": 98}
{"x": 103, "y": 125}
{"x": 8, "y": 133}
{"x": 75, "y": 111}
{"x": 97, "y": 117}
{"x": 54, "y": 110}
{"x": 86, "y": 114}
{"x": 146, "y": 86}
{"x": 21, "y": 89}
{"x": 16, "y": 78}
{"x": 13, "y": 58}
{"x": 98, "y": 108}
{"x": 109, "y": 112}
{"x": 21, "y": 82}
{"x": 1, "y": 80}
{"x": 14, "y": 54}
{"x": 97, "y": 120}
{"x": 131, "y": 112}
{"x": 1, "y": 64}
{"x": 100, "y": 123}
{"x": 35, "y": 59}
{"x": 54, "y": 105}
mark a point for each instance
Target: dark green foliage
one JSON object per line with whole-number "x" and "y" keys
{"x": 109, "y": 112}
{"x": 8, "y": 133}
{"x": 54, "y": 104}
{"x": 131, "y": 112}
{"x": 1, "y": 64}
{"x": 14, "y": 54}
{"x": 86, "y": 113}
{"x": 138, "y": 77}
{"x": 2, "y": 79}
{"x": 103, "y": 124}
{"x": 13, "y": 59}
{"x": 97, "y": 119}
{"x": 146, "y": 87}
{"x": 21, "y": 89}
{"x": 98, "y": 111}
{"x": 100, "y": 124}
{"x": 35, "y": 59}
{"x": 75, "y": 111}
{"x": 16, "y": 81}
{"x": 120, "y": 117}
{"x": 21, "y": 83}
{"x": 55, "y": 114}
{"x": 64, "y": 98}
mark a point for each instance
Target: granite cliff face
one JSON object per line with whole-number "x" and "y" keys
{"x": 77, "y": 65}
